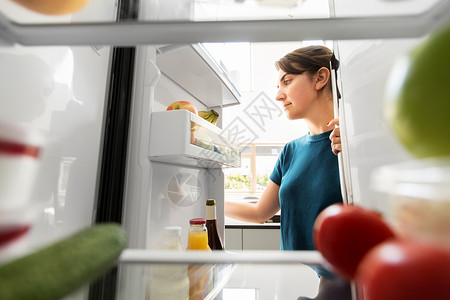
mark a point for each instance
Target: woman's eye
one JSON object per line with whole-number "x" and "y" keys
{"x": 287, "y": 81}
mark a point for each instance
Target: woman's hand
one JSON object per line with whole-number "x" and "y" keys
{"x": 335, "y": 136}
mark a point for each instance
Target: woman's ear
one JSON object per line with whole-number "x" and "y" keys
{"x": 322, "y": 78}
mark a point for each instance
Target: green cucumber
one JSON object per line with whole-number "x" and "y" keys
{"x": 63, "y": 267}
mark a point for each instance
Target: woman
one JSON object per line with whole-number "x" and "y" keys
{"x": 305, "y": 179}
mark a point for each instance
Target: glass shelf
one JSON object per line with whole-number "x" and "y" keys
{"x": 269, "y": 274}
{"x": 200, "y": 74}
{"x": 209, "y": 21}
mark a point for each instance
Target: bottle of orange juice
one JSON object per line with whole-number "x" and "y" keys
{"x": 197, "y": 236}
{"x": 200, "y": 276}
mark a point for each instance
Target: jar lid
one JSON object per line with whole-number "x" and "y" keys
{"x": 197, "y": 221}
{"x": 210, "y": 202}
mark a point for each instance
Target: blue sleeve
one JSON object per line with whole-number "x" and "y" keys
{"x": 277, "y": 172}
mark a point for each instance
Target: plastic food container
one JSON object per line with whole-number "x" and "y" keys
{"x": 419, "y": 193}
{"x": 15, "y": 224}
{"x": 20, "y": 152}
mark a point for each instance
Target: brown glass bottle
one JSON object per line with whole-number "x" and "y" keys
{"x": 214, "y": 240}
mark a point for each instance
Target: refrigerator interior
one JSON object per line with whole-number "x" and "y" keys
{"x": 164, "y": 185}
{"x": 63, "y": 91}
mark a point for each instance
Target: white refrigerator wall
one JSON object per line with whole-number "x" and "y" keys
{"x": 160, "y": 194}
{"x": 154, "y": 189}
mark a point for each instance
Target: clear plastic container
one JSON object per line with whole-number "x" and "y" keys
{"x": 171, "y": 238}
{"x": 170, "y": 282}
{"x": 20, "y": 155}
{"x": 419, "y": 193}
{"x": 20, "y": 152}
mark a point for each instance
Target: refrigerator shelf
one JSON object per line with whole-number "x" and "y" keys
{"x": 143, "y": 256}
{"x": 181, "y": 137}
{"x": 389, "y": 23}
{"x": 202, "y": 76}
{"x": 262, "y": 271}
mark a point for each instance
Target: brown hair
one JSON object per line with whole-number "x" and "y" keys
{"x": 308, "y": 59}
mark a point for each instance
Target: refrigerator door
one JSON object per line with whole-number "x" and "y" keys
{"x": 370, "y": 142}
{"x": 60, "y": 91}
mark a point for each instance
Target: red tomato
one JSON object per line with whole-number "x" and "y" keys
{"x": 344, "y": 233}
{"x": 403, "y": 270}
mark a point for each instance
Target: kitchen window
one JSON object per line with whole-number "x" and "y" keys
{"x": 258, "y": 160}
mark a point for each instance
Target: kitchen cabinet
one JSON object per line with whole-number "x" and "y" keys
{"x": 252, "y": 237}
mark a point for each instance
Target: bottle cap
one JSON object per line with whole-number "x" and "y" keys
{"x": 197, "y": 221}
{"x": 210, "y": 202}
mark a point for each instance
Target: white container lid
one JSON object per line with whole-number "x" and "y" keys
{"x": 172, "y": 231}
{"x": 21, "y": 134}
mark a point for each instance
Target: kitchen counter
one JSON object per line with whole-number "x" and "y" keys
{"x": 233, "y": 223}
{"x": 272, "y": 223}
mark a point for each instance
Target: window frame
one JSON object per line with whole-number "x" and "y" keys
{"x": 252, "y": 156}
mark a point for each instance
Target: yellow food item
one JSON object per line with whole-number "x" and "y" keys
{"x": 198, "y": 240}
{"x": 53, "y": 7}
{"x": 209, "y": 115}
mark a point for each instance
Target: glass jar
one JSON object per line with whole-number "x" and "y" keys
{"x": 198, "y": 235}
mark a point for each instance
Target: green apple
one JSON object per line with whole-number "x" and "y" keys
{"x": 418, "y": 98}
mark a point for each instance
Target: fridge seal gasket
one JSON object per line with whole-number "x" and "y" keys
{"x": 188, "y": 32}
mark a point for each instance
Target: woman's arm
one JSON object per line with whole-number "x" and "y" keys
{"x": 258, "y": 212}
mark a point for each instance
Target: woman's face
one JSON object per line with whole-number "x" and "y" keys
{"x": 296, "y": 92}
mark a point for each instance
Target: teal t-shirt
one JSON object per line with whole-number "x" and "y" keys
{"x": 308, "y": 175}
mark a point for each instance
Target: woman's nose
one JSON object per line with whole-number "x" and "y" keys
{"x": 280, "y": 95}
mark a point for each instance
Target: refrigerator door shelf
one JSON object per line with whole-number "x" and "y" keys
{"x": 181, "y": 137}
{"x": 202, "y": 76}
